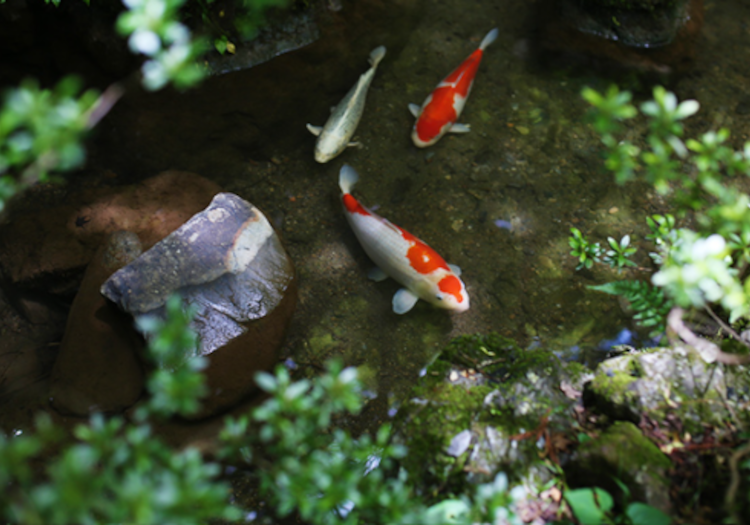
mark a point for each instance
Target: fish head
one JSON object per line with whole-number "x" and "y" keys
{"x": 449, "y": 292}
{"x": 328, "y": 147}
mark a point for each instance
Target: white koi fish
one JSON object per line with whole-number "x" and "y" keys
{"x": 333, "y": 137}
{"x": 440, "y": 111}
{"x": 400, "y": 255}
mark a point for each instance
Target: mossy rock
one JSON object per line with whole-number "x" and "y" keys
{"x": 474, "y": 412}
{"x": 624, "y": 454}
{"x": 668, "y": 381}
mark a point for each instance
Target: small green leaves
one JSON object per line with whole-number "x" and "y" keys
{"x": 176, "y": 385}
{"x": 617, "y": 255}
{"x": 154, "y": 31}
{"x": 611, "y": 107}
{"x": 41, "y": 131}
{"x": 588, "y": 253}
{"x": 695, "y": 268}
{"x": 698, "y": 270}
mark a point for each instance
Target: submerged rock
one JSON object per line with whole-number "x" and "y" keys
{"x": 228, "y": 262}
{"x": 624, "y": 453}
{"x": 484, "y": 406}
{"x": 98, "y": 369}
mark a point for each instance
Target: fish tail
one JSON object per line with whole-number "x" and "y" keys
{"x": 347, "y": 178}
{"x": 488, "y": 39}
{"x": 377, "y": 55}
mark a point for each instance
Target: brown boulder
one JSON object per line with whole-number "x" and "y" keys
{"x": 48, "y": 243}
{"x": 98, "y": 369}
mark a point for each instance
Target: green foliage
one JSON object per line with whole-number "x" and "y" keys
{"x": 649, "y": 303}
{"x": 700, "y": 267}
{"x": 153, "y": 30}
{"x": 115, "y": 471}
{"x": 595, "y": 506}
{"x": 617, "y": 255}
{"x": 587, "y": 252}
{"x": 41, "y": 131}
{"x": 176, "y": 385}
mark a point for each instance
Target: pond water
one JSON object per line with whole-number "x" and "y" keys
{"x": 498, "y": 202}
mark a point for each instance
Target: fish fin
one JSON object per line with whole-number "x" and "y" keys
{"x": 488, "y": 39}
{"x": 460, "y": 128}
{"x": 354, "y": 145}
{"x": 315, "y": 130}
{"x": 415, "y": 110}
{"x": 455, "y": 269}
{"x": 377, "y": 55}
{"x": 376, "y": 274}
{"x": 403, "y": 301}
{"x": 347, "y": 178}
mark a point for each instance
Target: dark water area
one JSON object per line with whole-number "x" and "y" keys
{"x": 499, "y": 201}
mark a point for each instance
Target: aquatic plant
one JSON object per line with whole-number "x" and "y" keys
{"x": 700, "y": 267}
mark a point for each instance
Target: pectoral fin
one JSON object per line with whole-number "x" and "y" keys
{"x": 460, "y": 128}
{"x": 455, "y": 269}
{"x": 354, "y": 145}
{"x": 403, "y": 301}
{"x": 376, "y": 274}
{"x": 315, "y": 130}
{"x": 415, "y": 110}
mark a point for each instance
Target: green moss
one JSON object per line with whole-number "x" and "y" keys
{"x": 614, "y": 384}
{"x": 624, "y": 444}
{"x": 482, "y": 381}
{"x": 440, "y": 412}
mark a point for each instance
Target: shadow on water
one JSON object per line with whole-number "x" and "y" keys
{"x": 499, "y": 201}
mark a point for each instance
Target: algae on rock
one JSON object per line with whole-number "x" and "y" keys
{"x": 486, "y": 405}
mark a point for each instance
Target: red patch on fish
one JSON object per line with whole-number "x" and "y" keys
{"x": 352, "y": 205}
{"x": 452, "y": 285}
{"x": 421, "y": 257}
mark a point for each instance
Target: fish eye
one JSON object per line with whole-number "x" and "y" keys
{"x": 439, "y": 297}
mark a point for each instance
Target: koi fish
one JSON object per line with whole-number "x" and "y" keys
{"x": 400, "y": 255}
{"x": 440, "y": 111}
{"x": 333, "y": 137}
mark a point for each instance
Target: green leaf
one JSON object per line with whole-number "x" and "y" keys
{"x": 590, "y": 506}
{"x": 642, "y": 514}
{"x": 266, "y": 381}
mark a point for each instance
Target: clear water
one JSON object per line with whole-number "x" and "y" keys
{"x": 498, "y": 201}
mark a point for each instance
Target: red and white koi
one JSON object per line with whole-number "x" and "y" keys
{"x": 402, "y": 256}
{"x": 440, "y": 111}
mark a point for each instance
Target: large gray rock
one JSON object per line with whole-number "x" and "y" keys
{"x": 228, "y": 262}
{"x": 673, "y": 381}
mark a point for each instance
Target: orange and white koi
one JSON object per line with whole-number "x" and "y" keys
{"x": 402, "y": 256}
{"x": 440, "y": 111}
